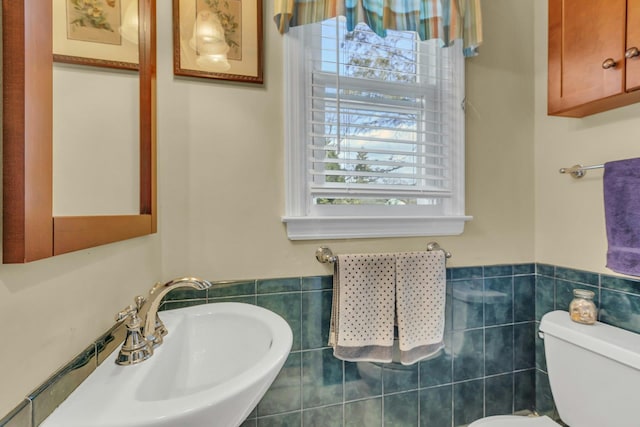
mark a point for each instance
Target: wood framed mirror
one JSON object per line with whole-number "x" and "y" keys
{"x": 30, "y": 229}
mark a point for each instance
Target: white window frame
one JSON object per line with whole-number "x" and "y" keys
{"x": 302, "y": 223}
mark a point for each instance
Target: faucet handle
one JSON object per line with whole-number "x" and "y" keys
{"x": 139, "y": 300}
{"x": 129, "y": 312}
{"x": 135, "y": 348}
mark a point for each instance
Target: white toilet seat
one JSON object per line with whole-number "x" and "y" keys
{"x": 514, "y": 421}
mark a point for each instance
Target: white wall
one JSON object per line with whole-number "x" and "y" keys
{"x": 222, "y": 178}
{"x": 569, "y": 224}
{"x": 52, "y": 309}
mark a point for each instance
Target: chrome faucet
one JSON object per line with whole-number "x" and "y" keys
{"x": 145, "y": 330}
{"x": 153, "y": 329}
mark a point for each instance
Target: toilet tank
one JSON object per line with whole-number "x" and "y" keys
{"x": 594, "y": 372}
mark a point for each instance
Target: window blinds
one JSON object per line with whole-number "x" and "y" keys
{"x": 382, "y": 117}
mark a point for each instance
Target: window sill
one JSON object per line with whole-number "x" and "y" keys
{"x": 314, "y": 228}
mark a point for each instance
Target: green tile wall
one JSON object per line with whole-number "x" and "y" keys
{"x": 487, "y": 367}
{"x": 493, "y": 362}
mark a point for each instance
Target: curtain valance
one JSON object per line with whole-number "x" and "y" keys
{"x": 446, "y": 20}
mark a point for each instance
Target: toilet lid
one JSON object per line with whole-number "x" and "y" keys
{"x": 514, "y": 421}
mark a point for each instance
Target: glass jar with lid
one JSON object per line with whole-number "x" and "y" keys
{"x": 582, "y": 309}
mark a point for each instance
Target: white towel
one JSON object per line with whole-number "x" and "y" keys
{"x": 420, "y": 304}
{"x": 363, "y": 307}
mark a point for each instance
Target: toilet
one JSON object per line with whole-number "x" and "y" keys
{"x": 593, "y": 371}
{"x": 514, "y": 421}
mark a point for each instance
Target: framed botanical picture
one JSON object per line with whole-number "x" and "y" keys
{"x": 101, "y": 33}
{"x": 218, "y": 39}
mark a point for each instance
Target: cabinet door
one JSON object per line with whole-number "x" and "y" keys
{"x": 582, "y": 36}
{"x": 633, "y": 41}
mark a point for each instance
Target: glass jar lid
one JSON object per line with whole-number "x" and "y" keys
{"x": 583, "y": 293}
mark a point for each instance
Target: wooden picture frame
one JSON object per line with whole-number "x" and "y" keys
{"x": 101, "y": 33}
{"x": 218, "y": 39}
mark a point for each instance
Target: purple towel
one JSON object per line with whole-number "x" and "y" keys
{"x": 622, "y": 215}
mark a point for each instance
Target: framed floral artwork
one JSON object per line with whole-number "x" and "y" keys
{"x": 101, "y": 33}
{"x": 218, "y": 39}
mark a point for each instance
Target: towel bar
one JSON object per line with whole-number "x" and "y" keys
{"x": 324, "y": 255}
{"x": 434, "y": 246}
{"x": 578, "y": 171}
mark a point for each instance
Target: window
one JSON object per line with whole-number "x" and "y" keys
{"x": 375, "y": 134}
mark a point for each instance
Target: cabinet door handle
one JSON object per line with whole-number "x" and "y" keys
{"x": 632, "y": 52}
{"x": 609, "y": 63}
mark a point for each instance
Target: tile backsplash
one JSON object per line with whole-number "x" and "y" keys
{"x": 493, "y": 362}
{"x": 487, "y": 367}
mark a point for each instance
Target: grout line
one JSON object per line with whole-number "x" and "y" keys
{"x": 344, "y": 392}
{"x": 301, "y": 361}
{"x": 513, "y": 345}
{"x": 484, "y": 348}
{"x": 382, "y": 397}
{"x": 599, "y": 296}
{"x": 301, "y": 383}
{"x": 452, "y": 403}
{"x": 420, "y": 382}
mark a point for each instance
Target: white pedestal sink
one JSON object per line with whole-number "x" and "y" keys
{"x": 213, "y": 368}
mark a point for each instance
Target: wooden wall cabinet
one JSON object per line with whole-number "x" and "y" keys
{"x": 594, "y": 62}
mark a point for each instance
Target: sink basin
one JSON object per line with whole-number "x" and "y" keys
{"x": 215, "y": 365}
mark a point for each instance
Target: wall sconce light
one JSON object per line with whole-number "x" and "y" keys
{"x": 209, "y": 43}
{"x": 129, "y": 27}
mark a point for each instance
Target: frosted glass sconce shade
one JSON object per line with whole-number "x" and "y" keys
{"x": 208, "y": 41}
